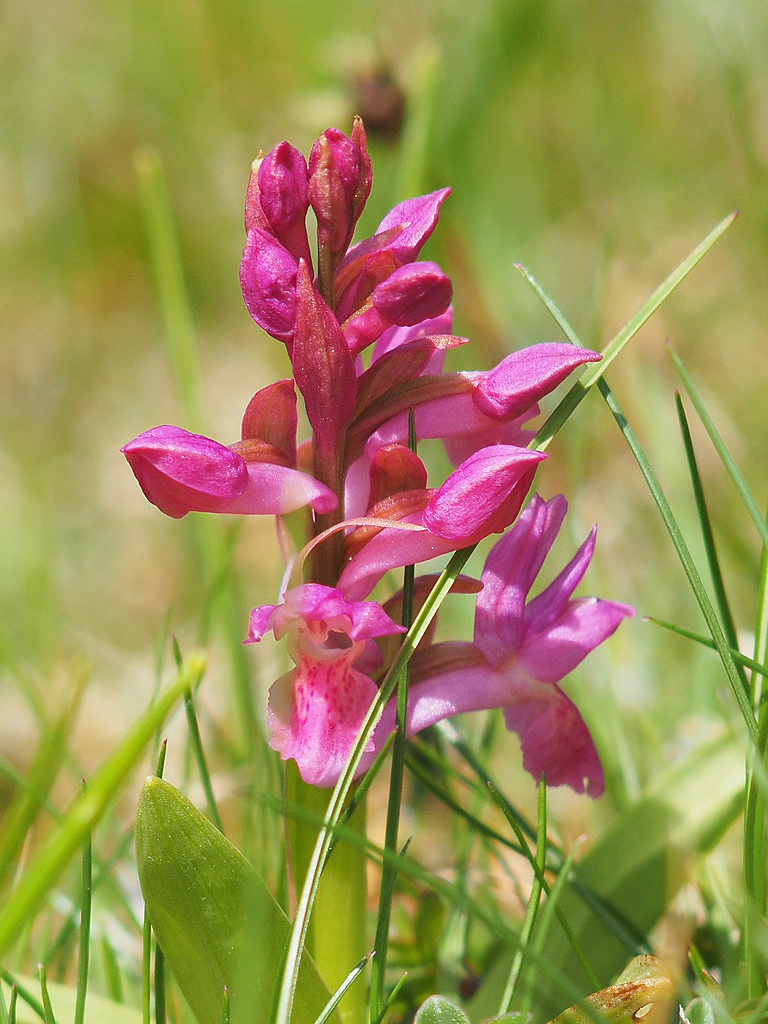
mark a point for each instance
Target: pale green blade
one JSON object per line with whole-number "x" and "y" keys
{"x": 216, "y": 920}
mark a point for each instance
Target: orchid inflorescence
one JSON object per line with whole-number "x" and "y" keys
{"x": 367, "y": 330}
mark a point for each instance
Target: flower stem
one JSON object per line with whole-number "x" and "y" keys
{"x": 337, "y": 935}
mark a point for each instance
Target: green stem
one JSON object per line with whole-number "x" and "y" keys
{"x": 337, "y": 933}
{"x": 754, "y": 809}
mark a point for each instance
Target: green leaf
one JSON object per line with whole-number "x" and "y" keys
{"x": 439, "y": 1010}
{"x": 218, "y": 924}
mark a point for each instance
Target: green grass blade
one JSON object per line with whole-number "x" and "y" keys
{"x": 531, "y": 910}
{"x": 85, "y": 931}
{"x": 201, "y": 760}
{"x": 394, "y": 802}
{"x": 757, "y": 667}
{"x": 594, "y": 372}
{"x": 50, "y": 1017}
{"x": 708, "y": 535}
{"x": 36, "y": 785}
{"x": 171, "y": 289}
{"x": 338, "y": 995}
{"x": 692, "y": 573}
{"x": 88, "y": 808}
{"x": 755, "y": 838}
{"x": 720, "y": 447}
{"x": 635, "y": 865}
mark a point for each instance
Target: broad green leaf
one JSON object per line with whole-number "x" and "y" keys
{"x": 636, "y": 865}
{"x": 217, "y": 923}
{"x": 439, "y": 1010}
{"x": 98, "y": 1010}
{"x": 641, "y": 992}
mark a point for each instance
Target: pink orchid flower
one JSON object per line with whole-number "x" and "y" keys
{"x": 522, "y": 649}
{"x": 315, "y": 710}
{"x": 183, "y": 472}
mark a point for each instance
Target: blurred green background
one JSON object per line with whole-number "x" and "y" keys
{"x": 595, "y": 142}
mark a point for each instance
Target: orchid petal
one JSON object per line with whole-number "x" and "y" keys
{"x": 524, "y": 377}
{"x": 322, "y": 365}
{"x": 558, "y": 649}
{"x": 417, "y": 219}
{"x": 268, "y": 280}
{"x": 314, "y": 715}
{"x": 283, "y": 183}
{"x": 483, "y": 495}
{"x": 389, "y": 549}
{"x": 510, "y": 569}
{"x": 397, "y": 336}
{"x": 556, "y": 742}
{"x": 182, "y": 472}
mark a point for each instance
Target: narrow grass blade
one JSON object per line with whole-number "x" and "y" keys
{"x": 636, "y": 865}
{"x": 594, "y": 372}
{"x": 29, "y": 1010}
{"x": 532, "y": 909}
{"x": 755, "y": 839}
{"x": 338, "y": 995}
{"x": 85, "y": 930}
{"x": 169, "y": 276}
{"x": 24, "y": 990}
{"x": 38, "y": 780}
{"x": 683, "y": 552}
{"x": 49, "y": 1016}
{"x": 201, "y": 760}
{"x": 720, "y": 447}
{"x": 394, "y": 801}
{"x": 706, "y": 641}
{"x": 707, "y": 532}
{"x": 88, "y": 808}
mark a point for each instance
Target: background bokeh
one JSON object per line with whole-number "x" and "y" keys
{"x": 596, "y": 143}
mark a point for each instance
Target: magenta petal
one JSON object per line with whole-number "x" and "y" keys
{"x": 415, "y": 292}
{"x": 283, "y": 184}
{"x": 396, "y": 336}
{"x": 417, "y": 219}
{"x": 558, "y": 649}
{"x": 524, "y": 377}
{"x": 182, "y": 472}
{"x": 510, "y": 569}
{"x": 322, "y": 366}
{"x": 483, "y": 495}
{"x": 389, "y": 549}
{"x": 315, "y": 612}
{"x": 314, "y": 715}
{"x": 268, "y": 280}
{"x": 275, "y": 490}
{"x": 260, "y": 622}
{"x": 555, "y": 741}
